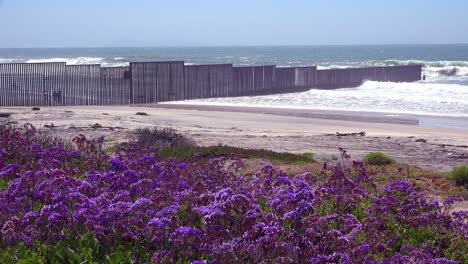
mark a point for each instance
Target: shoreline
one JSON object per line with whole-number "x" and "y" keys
{"x": 424, "y": 120}
{"x": 438, "y": 149}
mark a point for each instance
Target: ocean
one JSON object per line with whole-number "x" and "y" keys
{"x": 443, "y": 93}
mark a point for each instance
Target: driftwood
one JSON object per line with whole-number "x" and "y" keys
{"x": 95, "y": 127}
{"x": 461, "y": 156}
{"x": 51, "y": 126}
{"x": 362, "y": 134}
{"x": 5, "y": 115}
{"x": 450, "y": 145}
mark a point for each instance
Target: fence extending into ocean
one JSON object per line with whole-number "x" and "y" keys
{"x": 58, "y": 84}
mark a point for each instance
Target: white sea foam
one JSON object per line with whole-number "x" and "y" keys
{"x": 415, "y": 98}
{"x": 70, "y": 61}
{"x": 432, "y": 69}
{"x": 114, "y": 64}
{"x": 8, "y": 60}
{"x": 428, "y": 63}
{"x": 80, "y": 61}
{"x": 435, "y": 68}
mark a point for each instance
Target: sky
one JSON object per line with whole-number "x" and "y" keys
{"x": 126, "y": 23}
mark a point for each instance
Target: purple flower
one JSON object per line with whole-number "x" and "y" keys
{"x": 362, "y": 250}
{"x": 182, "y": 165}
{"x": 158, "y": 223}
{"x": 267, "y": 167}
{"x": 182, "y": 186}
{"x": 147, "y": 159}
{"x": 283, "y": 180}
{"x": 116, "y": 165}
{"x": 187, "y": 231}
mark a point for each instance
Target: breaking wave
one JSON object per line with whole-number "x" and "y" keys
{"x": 412, "y": 98}
{"x": 428, "y": 63}
{"x": 8, "y": 60}
{"x": 71, "y": 61}
{"x": 435, "y": 68}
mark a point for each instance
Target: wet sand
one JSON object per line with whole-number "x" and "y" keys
{"x": 404, "y": 137}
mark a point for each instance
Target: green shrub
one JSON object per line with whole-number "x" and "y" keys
{"x": 86, "y": 250}
{"x": 186, "y": 152}
{"x": 460, "y": 175}
{"x": 160, "y": 138}
{"x": 378, "y": 158}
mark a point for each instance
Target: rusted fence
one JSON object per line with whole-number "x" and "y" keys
{"x": 350, "y": 77}
{"x": 56, "y": 84}
{"x": 152, "y": 82}
{"x": 208, "y": 81}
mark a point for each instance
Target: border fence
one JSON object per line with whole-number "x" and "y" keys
{"x": 58, "y": 84}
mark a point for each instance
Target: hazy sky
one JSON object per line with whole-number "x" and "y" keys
{"x": 67, "y": 23}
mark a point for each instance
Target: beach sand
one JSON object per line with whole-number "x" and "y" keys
{"x": 290, "y": 130}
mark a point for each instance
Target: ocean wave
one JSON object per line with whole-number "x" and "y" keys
{"x": 449, "y": 70}
{"x": 70, "y": 61}
{"x": 80, "y": 61}
{"x": 8, "y": 60}
{"x": 115, "y": 64}
{"x": 446, "y": 71}
{"x": 412, "y": 98}
{"x": 438, "y": 64}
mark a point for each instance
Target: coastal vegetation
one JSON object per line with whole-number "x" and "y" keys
{"x": 378, "y": 158}
{"x": 460, "y": 175}
{"x": 65, "y": 201}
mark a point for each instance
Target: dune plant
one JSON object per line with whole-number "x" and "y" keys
{"x": 81, "y": 206}
{"x": 161, "y": 137}
{"x": 460, "y": 175}
{"x": 378, "y": 158}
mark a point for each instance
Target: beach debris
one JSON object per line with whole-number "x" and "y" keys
{"x": 142, "y": 113}
{"x": 421, "y": 140}
{"x": 96, "y": 126}
{"x": 362, "y": 134}
{"x": 68, "y": 111}
{"x": 36, "y": 108}
{"x": 104, "y": 114}
{"x": 51, "y": 125}
{"x": 450, "y": 145}
{"x": 461, "y": 156}
{"x": 448, "y": 72}
{"x": 5, "y": 115}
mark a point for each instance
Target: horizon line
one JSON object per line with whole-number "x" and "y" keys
{"x": 238, "y": 46}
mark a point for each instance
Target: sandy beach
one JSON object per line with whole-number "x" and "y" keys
{"x": 290, "y": 130}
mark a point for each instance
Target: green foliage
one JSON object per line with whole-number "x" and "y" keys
{"x": 110, "y": 150}
{"x": 360, "y": 210}
{"x": 378, "y": 158}
{"x": 263, "y": 206}
{"x": 87, "y": 250}
{"x": 160, "y": 138}
{"x": 458, "y": 249}
{"x": 186, "y": 152}
{"x": 3, "y": 185}
{"x": 460, "y": 175}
